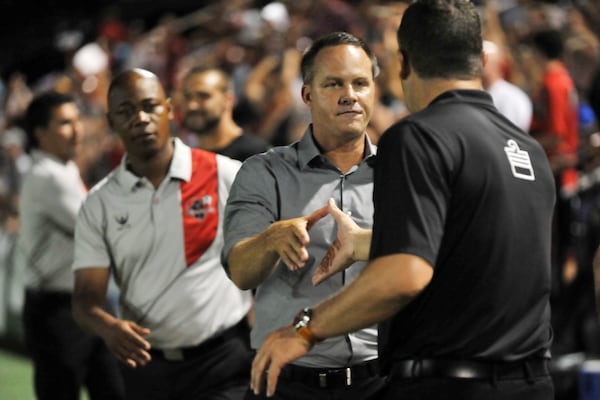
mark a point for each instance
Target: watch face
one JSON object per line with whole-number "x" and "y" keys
{"x": 303, "y": 318}
{"x": 302, "y": 322}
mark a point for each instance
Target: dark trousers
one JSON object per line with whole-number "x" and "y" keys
{"x": 221, "y": 372}
{"x": 65, "y": 358}
{"x": 433, "y": 388}
{"x": 364, "y": 389}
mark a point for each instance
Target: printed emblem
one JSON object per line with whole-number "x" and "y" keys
{"x": 520, "y": 163}
{"x": 122, "y": 221}
{"x": 200, "y": 208}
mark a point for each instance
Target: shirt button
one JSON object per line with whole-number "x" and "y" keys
{"x": 349, "y": 213}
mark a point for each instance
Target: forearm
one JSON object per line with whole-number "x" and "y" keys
{"x": 386, "y": 286}
{"x": 89, "y": 313}
{"x": 125, "y": 339}
{"x": 254, "y": 88}
{"x": 251, "y": 261}
{"x": 89, "y": 299}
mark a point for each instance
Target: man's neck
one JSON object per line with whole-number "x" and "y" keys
{"x": 345, "y": 155}
{"x": 56, "y": 157}
{"x": 430, "y": 89}
{"x": 220, "y": 137}
{"x": 154, "y": 169}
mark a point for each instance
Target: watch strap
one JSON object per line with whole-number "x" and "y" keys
{"x": 301, "y": 325}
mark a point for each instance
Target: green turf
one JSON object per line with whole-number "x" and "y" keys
{"x": 16, "y": 377}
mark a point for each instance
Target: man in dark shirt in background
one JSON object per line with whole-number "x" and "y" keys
{"x": 207, "y": 106}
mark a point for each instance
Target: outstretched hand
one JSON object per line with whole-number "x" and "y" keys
{"x": 279, "y": 348}
{"x": 352, "y": 244}
{"x": 289, "y": 238}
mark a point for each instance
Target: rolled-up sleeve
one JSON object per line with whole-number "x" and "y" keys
{"x": 252, "y": 204}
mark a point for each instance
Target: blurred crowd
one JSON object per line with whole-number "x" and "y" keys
{"x": 260, "y": 44}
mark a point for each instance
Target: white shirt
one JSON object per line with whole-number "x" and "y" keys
{"x": 512, "y": 102}
{"x": 51, "y": 195}
{"x": 144, "y": 234}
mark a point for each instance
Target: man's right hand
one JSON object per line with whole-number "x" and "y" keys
{"x": 289, "y": 238}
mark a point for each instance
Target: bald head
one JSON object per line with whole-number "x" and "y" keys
{"x": 127, "y": 78}
{"x": 140, "y": 112}
{"x": 134, "y": 83}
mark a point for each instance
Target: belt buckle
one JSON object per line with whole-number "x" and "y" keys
{"x": 323, "y": 381}
{"x": 173, "y": 354}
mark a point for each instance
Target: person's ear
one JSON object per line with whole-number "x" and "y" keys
{"x": 404, "y": 65}
{"x": 38, "y": 132}
{"x": 230, "y": 99}
{"x": 110, "y": 121}
{"x": 169, "y": 106}
{"x": 484, "y": 58}
{"x": 306, "y": 94}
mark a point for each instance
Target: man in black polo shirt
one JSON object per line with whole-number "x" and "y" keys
{"x": 459, "y": 272}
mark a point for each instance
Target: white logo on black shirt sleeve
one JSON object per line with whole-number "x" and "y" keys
{"x": 520, "y": 163}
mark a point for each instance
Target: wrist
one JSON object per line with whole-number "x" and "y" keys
{"x": 302, "y": 327}
{"x": 268, "y": 240}
{"x": 362, "y": 245}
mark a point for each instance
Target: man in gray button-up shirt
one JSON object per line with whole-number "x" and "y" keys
{"x": 276, "y": 229}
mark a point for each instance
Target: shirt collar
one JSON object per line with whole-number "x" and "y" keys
{"x": 308, "y": 150}
{"x": 38, "y": 155}
{"x": 465, "y": 95}
{"x": 181, "y": 165}
{"x": 180, "y": 168}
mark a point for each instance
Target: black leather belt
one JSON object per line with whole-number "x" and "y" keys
{"x": 470, "y": 369}
{"x": 188, "y": 353}
{"x": 331, "y": 377}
